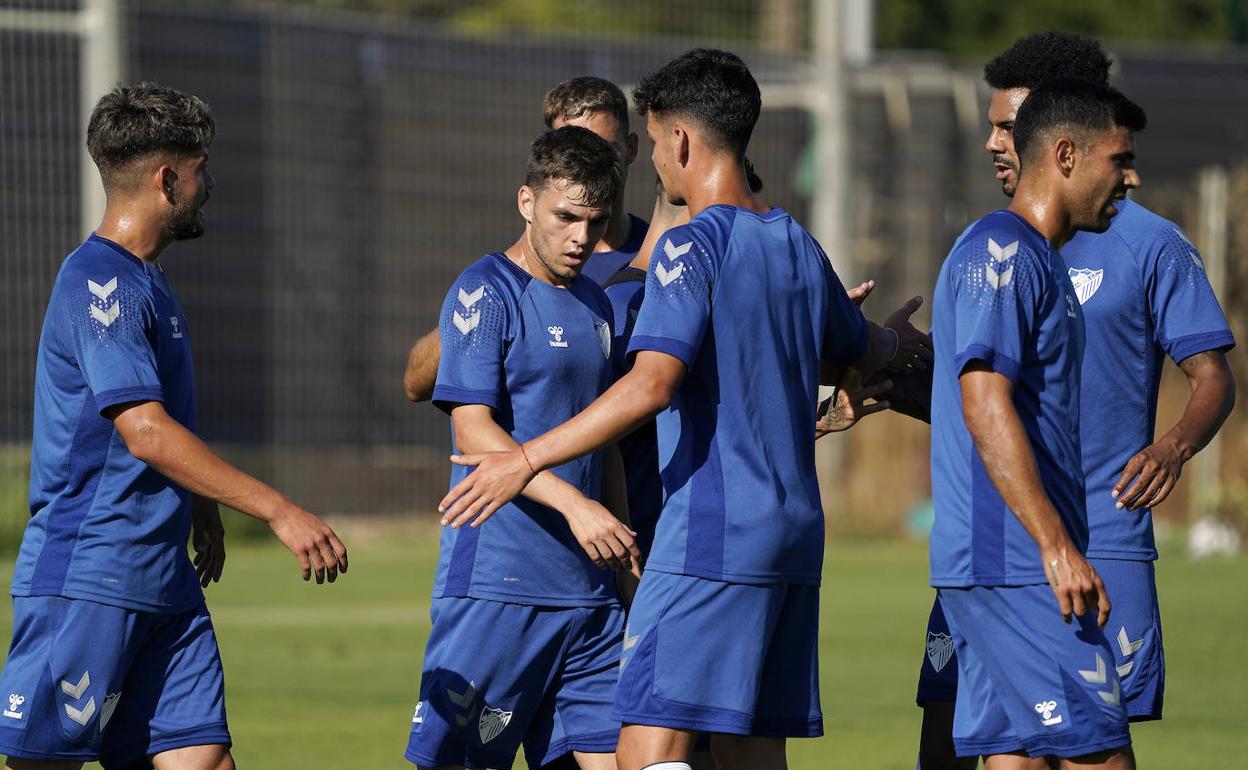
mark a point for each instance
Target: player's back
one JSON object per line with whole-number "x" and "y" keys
{"x": 749, "y": 302}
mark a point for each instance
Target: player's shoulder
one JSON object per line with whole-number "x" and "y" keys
{"x": 493, "y": 277}
{"x": 1149, "y": 235}
{"x": 104, "y": 270}
{"x": 1000, "y": 236}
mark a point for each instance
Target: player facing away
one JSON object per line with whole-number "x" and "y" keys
{"x": 741, "y": 308}
{"x": 1156, "y": 301}
{"x": 527, "y": 625}
{"x": 600, "y": 106}
{"x": 1035, "y": 679}
{"x": 114, "y": 656}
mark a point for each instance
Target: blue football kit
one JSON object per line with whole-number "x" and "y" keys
{"x": 603, "y": 265}
{"x": 525, "y": 644}
{"x": 1144, "y": 295}
{"x": 748, "y": 302}
{"x": 1026, "y": 680}
{"x": 113, "y": 654}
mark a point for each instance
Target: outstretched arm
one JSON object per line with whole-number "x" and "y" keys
{"x": 606, "y": 539}
{"x": 1002, "y": 444}
{"x": 636, "y": 397}
{"x": 155, "y": 438}
{"x": 422, "y": 367}
{"x": 1156, "y": 468}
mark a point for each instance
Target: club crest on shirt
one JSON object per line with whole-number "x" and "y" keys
{"x": 492, "y": 722}
{"x": 604, "y": 337}
{"x": 1086, "y": 282}
{"x": 939, "y": 650}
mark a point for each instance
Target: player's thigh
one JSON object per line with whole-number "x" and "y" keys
{"x": 212, "y": 757}
{"x": 173, "y": 699}
{"x": 643, "y": 745}
{"x": 487, "y": 668}
{"x": 788, "y": 698}
{"x": 1134, "y": 634}
{"x": 1055, "y": 680}
{"x": 740, "y": 752}
{"x": 576, "y": 715}
{"x": 65, "y": 666}
{"x": 936, "y": 748}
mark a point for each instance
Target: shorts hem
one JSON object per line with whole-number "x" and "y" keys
{"x": 473, "y": 763}
{"x": 976, "y": 748}
{"x": 593, "y": 743}
{"x": 1042, "y": 748}
{"x": 732, "y": 577}
{"x": 212, "y": 734}
{"x": 108, "y": 600}
{"x": 46, "y": 756}
{"x": 772, "y": 728}
{"x": 1111, "y": 555}
{"x": 1144, "y": 714}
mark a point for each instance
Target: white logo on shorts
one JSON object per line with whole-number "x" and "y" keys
{"x": 417, "y": 719}
{"x": 939, "y": 650}
{"x": 492, "y": 722}
{"x": 1045, "y": 709}
{"x": 15, "y": 703}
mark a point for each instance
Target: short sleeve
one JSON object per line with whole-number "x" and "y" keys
{"x": 997, "y": 297}
{"x": 1185, "y": 314}
{"x": 473, "y": 328}
{"x": 677, "y": 309}
{"x": 113, "y": 328}
{"x": 845, "y": 331}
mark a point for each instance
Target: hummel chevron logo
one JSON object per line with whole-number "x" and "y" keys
{"x": 468, "y": 300}
{"x": 463, "y": 699}
{"x": 83, "y": 716}
{"x": 1124, "y": 669}
{"x": 106, "y": 317}
{"x": 673, "y": 253}
{"x": 1113, "y": 697}
{"x": 630, "y": 641}
{"x": 465, "y": 324}
{"x": 104, "y": 291}
{"x": 997, "y": 274}
{"x": 1098, "y": 676}
{"x": 1196, "y": 260}
{"x": 1125, "y": 644}
{"x": 75, "y": 691}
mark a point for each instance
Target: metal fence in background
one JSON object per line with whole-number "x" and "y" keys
{"x": 363, "y": 163}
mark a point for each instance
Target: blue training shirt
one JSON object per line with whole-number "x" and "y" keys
{"x": 604, "y": 264}
{"x": 639, "y": 449}
{"x": 1145, "y": 295}
{"x": 105, "y": 526}
{"x": 1003, "y": 297}
{"x": 537, "y": 355}
{"x": 748, "y": 302}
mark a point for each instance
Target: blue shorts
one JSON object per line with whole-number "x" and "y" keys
{"x": 1134, "y": 633}
{"x": 938, "y": 674}
{"x": 500, "y": 675}
{"x": 87, "y": 681}
{"x": 1027, "y": 680}
{"x": 722, "y": 657}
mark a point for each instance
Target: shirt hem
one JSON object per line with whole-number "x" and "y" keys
{"x": 531, "y": 600}
{"x": 988, "y": 581}
{"x": 1001, "y": 364}
{"x": 733, "y": 577}
{"x": 674, "y": 348}
{"x": 1113, "y": 555}
{"x": 447, "y": 397}
{"x": 116, "y": 396}
{"x": 24, "y": 592}
{"x": 1186, "y": 347}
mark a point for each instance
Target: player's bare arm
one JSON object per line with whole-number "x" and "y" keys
{"x": 607, "y": 540}
{"x": 422, "y": 367}
{"x": 208, "y": 540}
{"x": 1152, "y": 473}
{"x": 155, "y": 438}
{"x": 1003, "y": 446}
{"x": 639, "y": 395}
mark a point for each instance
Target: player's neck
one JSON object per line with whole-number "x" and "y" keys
{"x": 141, "y": 236}
{"x": 525, "y": 257}
{"x": 1044, "y": 210}
{"x": 720, "y": 180}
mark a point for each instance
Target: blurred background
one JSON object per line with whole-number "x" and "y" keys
{"x": 368, "y": 150}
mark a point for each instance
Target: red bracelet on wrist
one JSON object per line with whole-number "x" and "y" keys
{"x": 526, "y": 460}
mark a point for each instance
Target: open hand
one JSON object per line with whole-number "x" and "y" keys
{"x": 208, "y": 540}
{"x": 1155, "y": 469}
{"x": 607, "y": 541}
{"x": 859, "y": 293}
{"x": 848, "y": 405}
{"x": 914, "y": 348}
{"x": 318, "y": 549}
{"x": 498, "y": 479}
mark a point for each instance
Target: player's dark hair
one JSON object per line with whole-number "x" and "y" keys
{"x": 577, "y": 156}
{"x": 131, "y": 122}
{"x": 712, "y": 87}
{"x": 1044, "y": 56}
{"x": 574, "y": 98}
{"x": 1077, "y": 106}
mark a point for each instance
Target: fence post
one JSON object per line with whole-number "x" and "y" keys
{"x": 101, "y": 67}
{"x": 1213, "y": 184}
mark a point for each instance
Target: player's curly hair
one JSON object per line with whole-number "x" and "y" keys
{"x": 1066, "y": 104}
{"x": 582, "y": 96}
{"x": 578, "y": 156}
{"x": 1043, "y": 56}
{"x": 713, "y": 87}
{"x": 131, "y": 122}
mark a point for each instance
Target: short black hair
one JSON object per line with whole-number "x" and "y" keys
{"x": 132, "y": 122}
{"x": 577, "y": 156}
{"x": 1043, "y": 56}
{"x": 1077, "y": 106}
{"x": 584, "y": 95}
{"x": 713, "y": 87}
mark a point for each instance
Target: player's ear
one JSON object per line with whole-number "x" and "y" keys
{"x": 168, "y": 179}
{"x": 682, "y": 145}
{"x": 1066, "y": 154}
{"x": 524, "y": 201}
{"x": 630, "y": 155}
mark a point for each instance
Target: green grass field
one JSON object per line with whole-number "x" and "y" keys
{"x": 326, "y": 676}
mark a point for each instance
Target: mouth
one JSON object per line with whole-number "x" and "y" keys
{"x": 1004, "y": 167}
{"x": 576, "y": 259}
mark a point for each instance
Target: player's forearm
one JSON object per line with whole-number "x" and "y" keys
{"x": 633, "y": 399}
{"x": 1212, "y": 398}
{"x": 1003, "y": 447}
{"x": 422, "y": 367}
{"x": 615, "y": 483}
